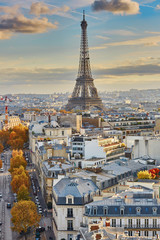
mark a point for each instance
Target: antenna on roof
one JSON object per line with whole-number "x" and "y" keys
{"x": 83, "y": 15}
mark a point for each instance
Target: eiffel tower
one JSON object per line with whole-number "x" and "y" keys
{"x": 85, "y": 94}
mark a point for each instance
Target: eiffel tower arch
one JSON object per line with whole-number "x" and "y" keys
{"x": 85, "y": 93}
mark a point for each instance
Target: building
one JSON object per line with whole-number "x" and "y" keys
{"x": 132, "y": 211}
{"x": 70, "y": 195}
{"x": 53, "y": 170}
{"x": 85, "y": 94}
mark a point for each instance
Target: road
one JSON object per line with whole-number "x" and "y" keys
{"x": 5, "y": 189}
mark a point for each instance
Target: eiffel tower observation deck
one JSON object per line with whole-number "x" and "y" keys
{"x": 85, "y": 95}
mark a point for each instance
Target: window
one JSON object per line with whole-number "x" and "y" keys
{"x": 70, "y": 225}
{"x": 154, "y": 233}
{"x": 113, "y": 222}
{"x": 62, "y": 133}
{"x": 138, "y": 210}
{"x": 105, "y": 211}
{"x": 129, "y": 233}
{"x": 69, "y": 200}
{"x": 138, "y": 222}
{"x": 146, "y": 223}
{"x": 69, "y": 212}
{"x": 94, "y": 211}
{"x": 154, "y": 222}
{"x": 120, "y": 222}
{"x": 69, "y": 237}
{"x": 130, "y": 223}
{"x": 122, "y": 211}
{"x": 146, "y": 233}
{"x": 154, "y": 210}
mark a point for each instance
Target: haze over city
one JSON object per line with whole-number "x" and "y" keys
{"x": 40, "y": 44}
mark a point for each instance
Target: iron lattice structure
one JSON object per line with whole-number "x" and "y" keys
{"x": 85, "y": 94}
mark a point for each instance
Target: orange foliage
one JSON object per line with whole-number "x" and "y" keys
{"x": 23, "y": 193}
{"x": 18, "y": 181}
{"x": 24, "y": 215}
{"x": 1, "y": 164}
{"x": 19, "y": 171}
{"x": 18, "y": 136}
{"x": 1, "y": 148}
{"x": 16, "y": 162}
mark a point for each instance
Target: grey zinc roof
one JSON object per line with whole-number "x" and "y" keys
{"x": 117, "y": 170}
{"x": 76, "y": 187}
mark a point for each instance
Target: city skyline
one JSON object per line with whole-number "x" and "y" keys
{"x": 40, "y": 44}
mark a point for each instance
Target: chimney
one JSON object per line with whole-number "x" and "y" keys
{"x": 94, "y": 179}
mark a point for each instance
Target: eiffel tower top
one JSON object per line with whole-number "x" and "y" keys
{"x": 84, "y": 62}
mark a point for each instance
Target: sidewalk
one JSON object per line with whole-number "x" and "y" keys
{"x": 45, "y": 222}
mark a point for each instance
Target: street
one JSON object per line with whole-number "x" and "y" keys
{"x": 5, "y": 189}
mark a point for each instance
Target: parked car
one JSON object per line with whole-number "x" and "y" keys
{"x": 1, "y": 170}
{"x": 0, "y": 195}
{"x": 40, "y": 229}
{"x": 8, "y": 205}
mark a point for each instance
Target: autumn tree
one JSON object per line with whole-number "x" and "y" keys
{"x": 18, "y": 181}
{"x": 19, "y": 171}
{"x": 1, "y": 164}
{"x": 23, "y": 193}
{"x": 16, "y": 162}
{"x": 1, "y": 148}
{"x": 24, "y": 216}
{"x": 144, "y": 175}
{"x": 18, "y": 136}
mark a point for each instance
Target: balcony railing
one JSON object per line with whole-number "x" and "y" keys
{"x": 70, "y": 229}
{"x": 70, "y": 215}
{"x": 142, "y": 226}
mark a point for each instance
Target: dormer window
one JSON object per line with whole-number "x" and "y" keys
{"x": 105, "y": 210}
{"x": 70, "y": 199}
{"x": 94, "y": 211}
{"x": 122, "y": 211}
{"x": 138, "y": 209}
{"x": 154, "y": 210}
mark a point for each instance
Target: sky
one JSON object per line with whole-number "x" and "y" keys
{"x": 40, "y": 44}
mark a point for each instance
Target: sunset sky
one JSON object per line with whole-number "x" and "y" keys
{"x": 40, "y": 44}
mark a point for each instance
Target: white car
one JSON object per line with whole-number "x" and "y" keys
{"x": 1, "y": 170}
{"x": 0, "y": 195}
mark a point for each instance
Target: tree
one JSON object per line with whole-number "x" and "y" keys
{"x": 23, "y": 193}
{"x": 18, "y": 181}
{"x": 16, "y": 162}
{"x": 24, "y": 216}
{"x": 144, "y": 175}
{"x": 19, "y": 171}
{"x": 1, "y": 148}
{"x": 1, "y": 164}
{"x": 18, "y": 136}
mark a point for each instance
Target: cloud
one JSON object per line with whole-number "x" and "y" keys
{"x": 120, "y": 32}
{"x": 10, "y": 10}
{"x": 102, "y": 37}
{"x": 148, "y": 41}
{"x": 146, "y": 69}
{"x": 21, "y": 24}
{"x": 158, "y": 7}
{"x": 123, "y": 7}
{"x": 37, "y": 76}
{"x": 40, "y": 8}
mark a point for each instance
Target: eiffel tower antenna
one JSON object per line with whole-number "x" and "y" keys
{"x": 85, "y": 94}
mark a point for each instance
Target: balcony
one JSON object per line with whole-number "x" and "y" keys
{"x": 70, "y": 215}
{"x": 70, "y": 229}
{"x": 142, "y": 226}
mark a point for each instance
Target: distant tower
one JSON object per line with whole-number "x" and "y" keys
{"x": 85, "y": 94}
